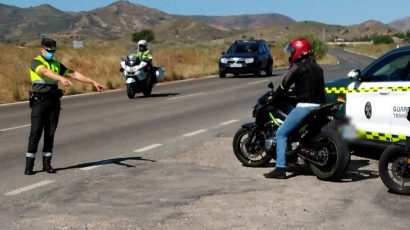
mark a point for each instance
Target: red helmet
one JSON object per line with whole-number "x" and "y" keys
{"x": 298, "y": 48}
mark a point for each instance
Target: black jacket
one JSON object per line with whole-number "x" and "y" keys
{"x": 309, "y": 82}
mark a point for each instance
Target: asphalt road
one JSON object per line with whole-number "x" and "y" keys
{"x": 119, "y": 163}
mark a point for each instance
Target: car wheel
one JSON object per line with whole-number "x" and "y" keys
{"x": 222, "y": 74}
{"x": 257, "y": 72}
{"x": 269, "y": 70}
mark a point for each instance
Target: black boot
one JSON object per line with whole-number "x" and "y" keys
{"x": 47, "y": 165}
{"x": 277, "y": 173}
{"x": 29, "y": 166}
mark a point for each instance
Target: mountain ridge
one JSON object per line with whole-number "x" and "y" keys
{"x": 120, "y": 19}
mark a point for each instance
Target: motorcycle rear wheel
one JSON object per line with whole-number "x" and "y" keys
{"x": 240, "y": 144}
{"x": 130, "y": 91}
{"x": 392, "y": 169}
{"x": 335, "y": 154}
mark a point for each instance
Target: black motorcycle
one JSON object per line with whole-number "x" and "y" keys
{"x": 322, "y": 149}
{"x": 394, "y": 166}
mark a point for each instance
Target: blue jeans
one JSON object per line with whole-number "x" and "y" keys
{"x": 294, "y": 119}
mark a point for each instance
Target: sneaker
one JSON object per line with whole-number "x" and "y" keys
{"x": 277, "y": 173}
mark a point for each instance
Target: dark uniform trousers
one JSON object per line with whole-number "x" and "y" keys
{"x": 45, "y": 113}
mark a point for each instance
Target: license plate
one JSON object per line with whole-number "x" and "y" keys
{"x": 236, "y": 65}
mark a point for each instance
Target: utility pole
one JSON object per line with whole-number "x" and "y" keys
{"x": 324, "y": 34}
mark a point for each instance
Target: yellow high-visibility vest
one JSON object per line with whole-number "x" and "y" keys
{"x": 38, "y": 79}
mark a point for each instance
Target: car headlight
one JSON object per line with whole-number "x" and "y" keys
{"x": 224, "y": 60}
{"x": 249, "y": 60}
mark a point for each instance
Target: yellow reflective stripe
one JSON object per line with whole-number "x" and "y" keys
{"x": 338, "y": 90}
{"x": 380, "y": 136}
{"x": 38, "y": 67}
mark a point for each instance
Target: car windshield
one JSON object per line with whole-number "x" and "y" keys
{"x": 243, "y": 48}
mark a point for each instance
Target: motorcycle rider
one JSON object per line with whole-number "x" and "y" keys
{"x": 145, "y": 56}
{"x": 308, "y": 78}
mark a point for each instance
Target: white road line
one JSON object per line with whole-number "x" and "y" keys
{"x": 30, "y": 187}
{"x": 189, "y": 95}
{"x": 17, "y": 127}
{"x": 194, "y": 133}
{"x": 228, "y": 122}
{"x": 90, "y": 167}
{"x": 147, "y": 148}
{"x": 256, "y": 82}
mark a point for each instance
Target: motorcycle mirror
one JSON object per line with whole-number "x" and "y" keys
{"x": 271, "y": 85}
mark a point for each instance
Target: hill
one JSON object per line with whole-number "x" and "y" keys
{"x": 121, "y": 18}
{"x": 244, "y": 21}
{"x": 401, "y": 24}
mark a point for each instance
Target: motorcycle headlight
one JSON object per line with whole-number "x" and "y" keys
{"x": 224, "y": 60}
{"x": 249, "y": 60}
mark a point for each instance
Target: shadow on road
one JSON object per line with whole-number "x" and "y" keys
{"x": 354, "y": 173}
{"x": 160, "y": 95}
{"x": 117, "y": 161}
{"x": 253, "y": 76}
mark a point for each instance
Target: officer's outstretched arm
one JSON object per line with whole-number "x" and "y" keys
{"x": 48, "y": 73}
{"x": 80, "y": 77}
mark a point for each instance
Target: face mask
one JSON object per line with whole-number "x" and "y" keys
{"x": 49, "y": 56}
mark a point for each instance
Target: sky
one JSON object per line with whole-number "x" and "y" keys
{"x": 338, "y": 12}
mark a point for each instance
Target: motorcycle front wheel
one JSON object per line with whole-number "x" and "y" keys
{"x": 394, "y": 169}
{"x": 130, "y": 91}
{"x": 250, "y": 154}
{"x": 334, "y": 156}
{"x": 147, "y": 91}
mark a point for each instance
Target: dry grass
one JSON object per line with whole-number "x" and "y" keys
{"x": 372, "y": 50}
{"x": 181, "y": 61}
{"x": 188, "y": 61}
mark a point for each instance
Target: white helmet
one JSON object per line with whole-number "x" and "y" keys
{"x": 142, "y": 43}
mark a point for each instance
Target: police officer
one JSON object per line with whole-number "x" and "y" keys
{"x": 45, "y": 73}
{"x": 307, "y": 76}
{"x": 144, "y": 54}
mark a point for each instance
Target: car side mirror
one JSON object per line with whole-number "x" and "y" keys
{"x": 271, "y": 85}
{"x": 223, "y": 53}
{"x": 355, "y": 75}
{"x": 408, "y": 113}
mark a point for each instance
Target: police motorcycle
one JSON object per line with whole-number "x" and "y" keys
{"x": 394, "y": 166}
{"x": 139, "y": 75}
{"x": 322, "y": 149}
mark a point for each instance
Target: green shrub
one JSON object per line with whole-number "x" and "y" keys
{"x": 147, "y": 35}
{"x": 382, "y": 39}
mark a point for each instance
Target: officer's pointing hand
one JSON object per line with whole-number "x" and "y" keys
{"x": 98, "y": 86}
{"x": 65, "y": 82}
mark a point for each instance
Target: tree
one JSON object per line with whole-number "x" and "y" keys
{"x": 145, "y": 34}
{"x": 382, "y": 39}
